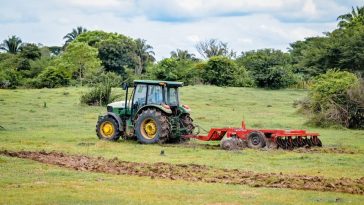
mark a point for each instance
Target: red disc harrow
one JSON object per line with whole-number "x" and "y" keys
{"x": 259, "y": 138}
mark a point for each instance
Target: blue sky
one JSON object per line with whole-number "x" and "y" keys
{"x": 171, "y": 24}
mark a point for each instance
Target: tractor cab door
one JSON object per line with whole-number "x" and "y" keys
{"x": 139, "y": 97}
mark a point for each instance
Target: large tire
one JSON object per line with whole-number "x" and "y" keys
{"x": 256, "y": 140}
{"x": 152, "y": 126}
{"x": 187, "y": 123}
{"x": 107, "y": 129}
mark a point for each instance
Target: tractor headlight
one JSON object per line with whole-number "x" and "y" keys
{"x": 109, "y": 108}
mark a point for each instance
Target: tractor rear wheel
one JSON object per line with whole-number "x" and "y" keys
{"x": 107, "y": 129}
{"x": 187, "y": 123}
{"x": 151, "y": 126}
{"x": 256, "y": 140}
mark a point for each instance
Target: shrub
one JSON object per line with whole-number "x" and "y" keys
{"x": 279, "y": 77}
{"x": 222, "y": 71}
{"x": 331, "y": 84}
{"x": 52, "y": 77}
{"x": 268, "y": 67}
{"x": 336, "y": 97}
{"x": 99, "y": 95}
{"x": 9, "y": 78}
{"x": 103, "y": 76}
{"x": 242, "y": 78}
{"x": 173, "y": 69}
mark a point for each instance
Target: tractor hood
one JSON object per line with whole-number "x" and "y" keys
{"x": 118, "y": 104}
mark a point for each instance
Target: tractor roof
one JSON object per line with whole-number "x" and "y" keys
{"x": 158, "y": 82}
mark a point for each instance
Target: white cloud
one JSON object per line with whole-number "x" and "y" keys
{"x": 171, "y": 24}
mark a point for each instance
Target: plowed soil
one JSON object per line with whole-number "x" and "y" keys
{"x": 193, "y": 172}
{"x": 334, "y": 150}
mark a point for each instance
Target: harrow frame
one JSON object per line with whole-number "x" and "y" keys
{"x": 285, "y": 139}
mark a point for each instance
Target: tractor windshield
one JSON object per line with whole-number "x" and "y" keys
{"x": 172, "y": 96}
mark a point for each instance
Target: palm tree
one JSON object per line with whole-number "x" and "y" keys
{"x": 182, "y": 55}
{"x": 214, "y": 47}
{"x": 11, "y": 45}
{"x": 73, "y": 35}
{"x": 144, "y": 55}
{"x": 354, "y": 17}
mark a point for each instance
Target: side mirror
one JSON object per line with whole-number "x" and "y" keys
{"x": 124, "y": 86}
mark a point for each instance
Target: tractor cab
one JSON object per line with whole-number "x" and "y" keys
{"x": 152, "y": 114}
{"x": 160, "y": 94}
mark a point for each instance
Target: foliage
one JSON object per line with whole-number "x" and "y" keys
{"x": 354, "y": 18}
{"x": 51, "y": 77}
{"x": 98, "y": 95}
{"x": 309, "y": 57}
{"x": 69, "y": 37}
{"x": 55, "y": 50}
{"x": 79, "y": 59}
{"x": 11, "y": 45}
{"x": 173, "y": 70}
{"x": 30, "y": 51}
{"x": 213, "y": 47}
{"x": 116, "y": 55}
{"x": 9, "y": 75}
{"x": 102, "y": 76}
{"x": 183, "y": 55}
{"x": 330, "y": 84}
{"x": 268, "y": 67}
{"x": 280, "y": 77}
{"x": 37, "y": 66}
{"x": 23, "y": 64}
{"x": 93, "y": 38}
{"x": 343, "y": 48}
{"x": 222, "y": 71}
{"x": 336, "y": 97}
{"x": 9, "y": 78}
{"x": 144, "y": 55}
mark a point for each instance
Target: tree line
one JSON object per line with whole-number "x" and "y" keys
{"x": 91, "y": 57}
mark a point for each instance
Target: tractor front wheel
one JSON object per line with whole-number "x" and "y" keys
{"x": 107, "y": 129}
{"x": 152, "y": 126}
{"x": 256, "y": 140}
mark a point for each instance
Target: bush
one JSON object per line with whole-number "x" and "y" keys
{"x": 102, "y": 76}
{"x": 331, "y": 84}
{"x": 268, "y": 67}
{"x": 51, "y": 77}
{"x": 9, "y": 78}
{"x": 222, "y": 71}
{"x": 98, "y": 95}
{"x": 336, "y": 97}
{"x": 279, "y": 77}
{"x": 172, "y": 69}
{"x": 242, "y": 78}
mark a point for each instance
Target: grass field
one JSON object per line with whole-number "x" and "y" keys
{"x": 53, "y": 119}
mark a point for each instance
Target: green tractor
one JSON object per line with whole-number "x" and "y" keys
{"x": 152, "y": 114}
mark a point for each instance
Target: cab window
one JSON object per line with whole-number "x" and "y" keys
{"x": 172, "y": 96}
{"x": 140, "y": 94}
{"x": 155, "y": 94}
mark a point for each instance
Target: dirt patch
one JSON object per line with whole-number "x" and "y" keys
{"x": 194, "y": 146}
{"x": 193, "y": 172}
{"x": 334, "y": 150}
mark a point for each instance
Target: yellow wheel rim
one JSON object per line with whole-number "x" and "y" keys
{"x": 149, "y": 128}
{"x": 107, "y": 129}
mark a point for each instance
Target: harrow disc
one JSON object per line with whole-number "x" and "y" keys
{"x": 297, "y": 142}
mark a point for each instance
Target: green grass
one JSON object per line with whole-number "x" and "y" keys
{"x": 35, "y": 183}
{"x": 65, "y": 125}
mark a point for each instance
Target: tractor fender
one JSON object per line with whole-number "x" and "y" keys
{"x": 184, "y": 110}
{"x": 158, "y": 107}
{"x": 117, "y": 118}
